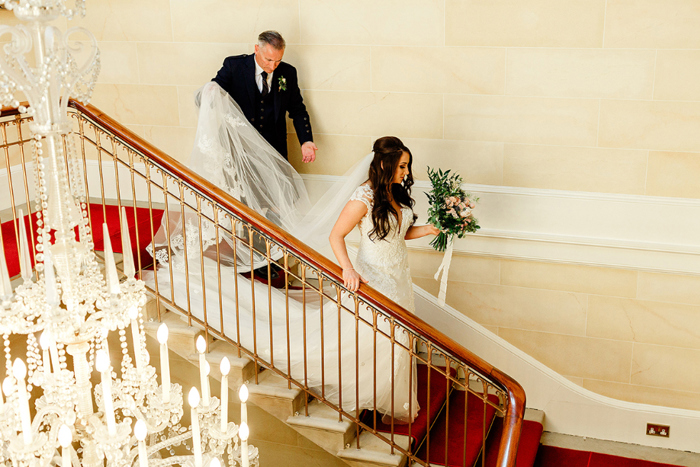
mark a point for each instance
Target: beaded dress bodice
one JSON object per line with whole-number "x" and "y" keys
{"x": 384, "y": 263}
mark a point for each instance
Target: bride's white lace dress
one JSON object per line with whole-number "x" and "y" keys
{"x": 384, "y": 263}
{"x": 351, "y": 362}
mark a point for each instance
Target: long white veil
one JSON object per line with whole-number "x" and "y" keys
{"x": 232, "y": 155}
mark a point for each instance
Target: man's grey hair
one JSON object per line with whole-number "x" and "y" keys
{"x": 273, "y": 38}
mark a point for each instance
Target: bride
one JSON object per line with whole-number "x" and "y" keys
{"x": 327, "y": 347}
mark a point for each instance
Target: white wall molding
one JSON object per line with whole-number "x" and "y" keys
{"x": 597, "y": 229}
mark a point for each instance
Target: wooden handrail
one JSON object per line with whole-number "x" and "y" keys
{"x": 515, "y": 393}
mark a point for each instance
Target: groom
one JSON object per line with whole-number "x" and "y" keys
{"x": 266, "y": 89}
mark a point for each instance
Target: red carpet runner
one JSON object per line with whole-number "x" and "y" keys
{"x": 141, "y": 223}
{"x": 550, "y": 456}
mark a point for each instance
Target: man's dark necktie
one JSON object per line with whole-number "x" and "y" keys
{"x": 265, "y": 89}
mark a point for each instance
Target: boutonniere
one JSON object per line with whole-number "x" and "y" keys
{"x": 283, "y": 83}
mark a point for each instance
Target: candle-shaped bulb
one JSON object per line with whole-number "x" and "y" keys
{"x": 162, "y": 334}
{"x": 193, "y": 397}
{"x": 5, "y": 284}
{"x": 101, "y": 361}
{"x": 243, "y": 393}
{"x": 140, "y": 430}
{"x": 111, "y": 276}
{"x": 45, "y": 340}
{"x": 225, "y": 366}
{"x": 133, "y": 312}
{"x": 215, "y": 462}
{"x": 24, "y": 258}
{"x": 50, "y": 280}
{"x": 19, "y": 369}
{"x": 8, "y": 387}
{"x": 65, "y": 437}
{"x": 201, "y": 344}
{"x": 128, "y": 261}
{"x": 243, "y": 431}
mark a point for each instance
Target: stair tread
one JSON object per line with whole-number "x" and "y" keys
{"x": 271, "y": 384}
{"x": 321, "y": 417}
{"x": 175, "y": 323}
{"x": 419, "y": 428}
{"x": 376, "y": 451}
{"x": 433, "y": 450}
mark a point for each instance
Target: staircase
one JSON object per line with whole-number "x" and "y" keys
{"x": 462, "y": 398}
{"x": 439, "y": 442}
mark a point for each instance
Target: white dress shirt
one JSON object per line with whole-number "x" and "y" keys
{"x": 258, "y": 77}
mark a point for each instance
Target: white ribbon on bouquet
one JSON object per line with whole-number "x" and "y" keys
{"x": 444, "y": 269}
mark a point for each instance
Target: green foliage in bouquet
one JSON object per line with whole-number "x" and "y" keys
{"x": 450, "y": 208}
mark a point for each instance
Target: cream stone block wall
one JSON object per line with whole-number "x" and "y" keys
{"x": 626, "y": 334}
{"x": 566, "y": 122}
{"x": 677, "y": 75}
{"x": 661, "y": 125}
{"x": 372, "y": 22}
{"x": 581, "y": 95}
{"x": 527, "y": 23}
{"x": 450, "y": 70}
{"x": 624, "y": 74}
{"x": 230, "y": 22}
{"x": 673, "y": 174}
{"x": 576, "y": 168}
{"x": 664, "y": 24}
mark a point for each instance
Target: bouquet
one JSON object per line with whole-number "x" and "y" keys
{"x": 450, "y": 211}
{"x": 450, "y": 208}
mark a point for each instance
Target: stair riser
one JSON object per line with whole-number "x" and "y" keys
{"x": 279, "y": 407}
{"x": 328, "y": 440}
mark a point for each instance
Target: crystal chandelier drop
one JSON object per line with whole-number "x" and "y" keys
{"x": 67, "y": 310}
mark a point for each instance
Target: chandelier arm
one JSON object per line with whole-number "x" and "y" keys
{"x": 87, "y": 65}
{"x": 175, "y": 460}
{"x": 20, "y": 44}
{"x": 169, "y": 442}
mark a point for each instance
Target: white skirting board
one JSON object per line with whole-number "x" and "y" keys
{"x": 569, "y": 408}
{"x": 597, "y": 229}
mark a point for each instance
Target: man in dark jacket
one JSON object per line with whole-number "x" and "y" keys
{"x": 266, "y": 88}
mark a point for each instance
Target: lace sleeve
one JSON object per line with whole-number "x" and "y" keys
{"x": 365, "y": 194}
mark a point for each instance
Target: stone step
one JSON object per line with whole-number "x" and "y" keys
{"x": 272, "y": 393}
{"x": 323, "y": 427}
{"x": 374, "y": 452}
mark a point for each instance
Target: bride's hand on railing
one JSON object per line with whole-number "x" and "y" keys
{"x": 352, "y": 280}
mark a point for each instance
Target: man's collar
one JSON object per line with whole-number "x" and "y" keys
{"x": 258, "y": 68}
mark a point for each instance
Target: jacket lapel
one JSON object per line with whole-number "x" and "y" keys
{"x": 276, "y": 93}
{"x": 250, "y": 79}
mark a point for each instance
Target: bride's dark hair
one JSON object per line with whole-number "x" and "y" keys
{"x": 387, "y": 154}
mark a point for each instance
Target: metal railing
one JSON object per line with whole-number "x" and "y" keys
{"x": 120, "y": 169}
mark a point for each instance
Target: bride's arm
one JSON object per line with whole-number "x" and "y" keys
{"x": 349, "y": 217}
{"x": 419, "y": 231}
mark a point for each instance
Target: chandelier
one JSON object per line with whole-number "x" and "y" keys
{"x": 67, "y": 310}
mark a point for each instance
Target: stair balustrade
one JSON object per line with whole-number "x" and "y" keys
{"x": 459, "y": 394}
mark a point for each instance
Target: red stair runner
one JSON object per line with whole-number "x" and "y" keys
{"x": 551, "y": 456}
{"x": 527, "y": 449}
{"x": 459, "y": 454}
{"x": 420, "y": 426}
{"x": 142, "y": 220}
